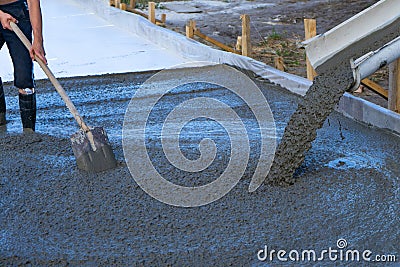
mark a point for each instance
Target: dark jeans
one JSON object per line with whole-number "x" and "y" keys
{"x": 2, "y": 99}
{"x": 23, "y": 65}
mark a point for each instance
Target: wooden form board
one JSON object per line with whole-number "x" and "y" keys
{"x": 192, "y": 31}
{"x": 214, "y": 42}
{"x": 375, "y": 87}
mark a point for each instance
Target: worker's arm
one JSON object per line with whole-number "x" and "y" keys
{"x": 5, "y": 19}
{"x": 35, "y": 14}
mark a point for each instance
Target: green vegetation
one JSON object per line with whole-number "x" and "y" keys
{"x": 274, "y": 35}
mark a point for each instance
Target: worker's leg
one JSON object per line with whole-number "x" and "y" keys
{"x": 2, "y": 105}
{"x": 2, "y": 97}
{"x": 27, "y": 108}
{"x": 23, "y": 65}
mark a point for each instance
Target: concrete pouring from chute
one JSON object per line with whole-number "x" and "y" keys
{"x": 383, "y": 18}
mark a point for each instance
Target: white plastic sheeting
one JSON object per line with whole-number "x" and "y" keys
{"x": 188, "y": 48}
{"x": 78, "y": 42}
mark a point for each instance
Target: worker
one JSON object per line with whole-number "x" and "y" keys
{"x": 28, "y": 16}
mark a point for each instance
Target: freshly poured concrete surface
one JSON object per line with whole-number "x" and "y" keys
{"x": 52, "y": 214}
{"x": 79, "y": 43}
{"x": 334, "y": 79}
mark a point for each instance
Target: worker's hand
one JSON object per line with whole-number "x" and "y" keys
{"x": 5, "y": 19}
{"x": 38, "y": 50}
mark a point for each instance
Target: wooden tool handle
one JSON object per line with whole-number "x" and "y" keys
{"x": 53, "y": 79}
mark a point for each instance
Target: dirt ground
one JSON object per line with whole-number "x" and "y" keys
{"x": 276, "y": 25}
{"x": 277, "y": 28}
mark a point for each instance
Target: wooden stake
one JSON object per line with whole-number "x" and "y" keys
{"x": 163, "y": 18}
{"x": 188, "y": 32}
{"x": 152, "y": 12}
{"x": 239, "y": 43}
{"x": 112, "y": 3}
{"x": 279, "y": 64}
{"x": 191, "y": 25}
{"x": 117, "y": 3}
{"x": 132, "y": 4}
{"x": 394, "y": 86}
{"x": 122, "y": 6}
{"x": 246, "y": 40}
{"x": 310, "y": 29}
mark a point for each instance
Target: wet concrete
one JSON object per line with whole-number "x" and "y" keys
{"x": 301, "y": 130}
{"x": 92, "y": 150}
{"x": 52, "y": 214}
{"x": 334, "y": 79}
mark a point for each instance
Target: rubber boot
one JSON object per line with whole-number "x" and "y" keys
{"x": 27, "y": 108}
{"x": 2, "y": 105}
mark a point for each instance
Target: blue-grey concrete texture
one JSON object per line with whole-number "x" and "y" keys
{"x": 52, "y": 214}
